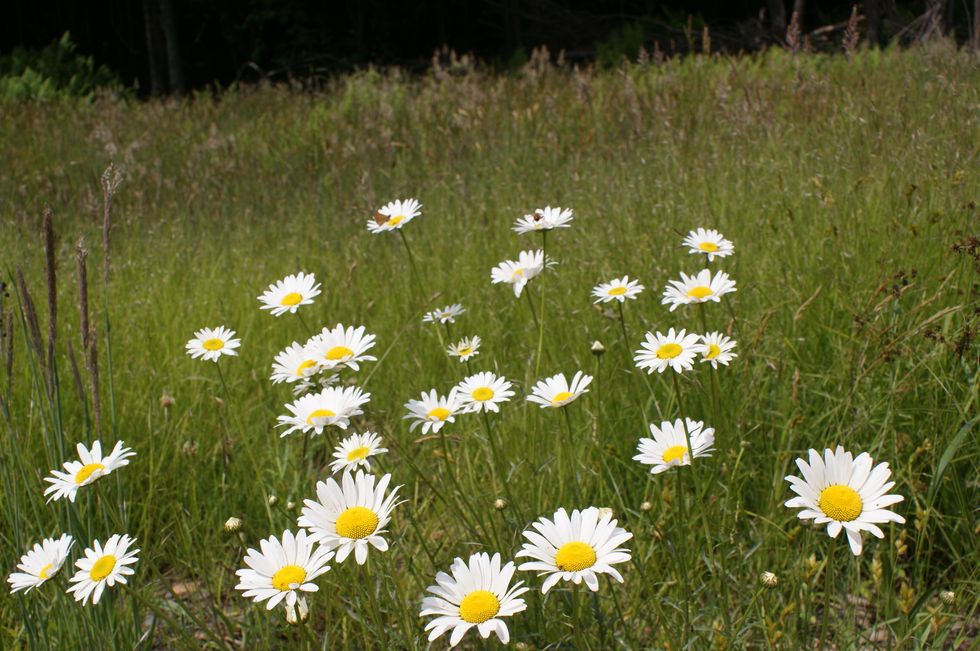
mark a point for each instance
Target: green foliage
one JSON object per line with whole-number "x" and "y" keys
{"x": 623, "y": 44}
{"x": 55, "y": 72}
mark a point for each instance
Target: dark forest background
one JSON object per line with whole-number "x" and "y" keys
{"x": 162, "y": 46}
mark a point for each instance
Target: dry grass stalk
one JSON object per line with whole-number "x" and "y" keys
{"x": 852, "y": 35}
{"x": 111, "y": 179}
{"x": 794, "y": 33}
{"x": 51, "y": 278}
{"x": 93, "y": 371}
{"x": 30, "y": 317}
{"x": 81, "y": 266}
{"x": 76, "y": 376}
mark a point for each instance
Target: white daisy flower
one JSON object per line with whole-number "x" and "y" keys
{"x": 211, "y": 343}
{"x": 845, "y": 493}
{"x": 618, "y": 289}
{"x": 394, "y": 215}
{"x": 544, "y": 219}
{"x": 477, "y": 594}
{"x": 42, "y": 562}
{"x": 528, "y": 265}
{"x": 717, "y": 349}
{"x": 331, "y": 406}
{"x": 354, "y": 451}
{"x": 447, "y": 314}
{"x": 697, "y": 289}
{"x": 708, "y": 242}
{"x": 668, "y": 447}
{"x": 575, "y": 548}
{"x": 350, "y": 517}
{"x": 283, "y": 569}
{"x": 674, "y": 350}
{"x": 465, "y": 349}
{"x": 295, "y": 364}
{"x": 483, "y": 392}
{"x": 342, "y": 347}
{"x": 433, "y": 411}
{"x": 91, "y": 465}
{"x": 103, "y": 566}
{"x": 556, "y": 391}
{"x": 288, "y": 294}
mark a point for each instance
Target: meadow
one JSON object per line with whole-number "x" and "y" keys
{"x": 850, "y": 187}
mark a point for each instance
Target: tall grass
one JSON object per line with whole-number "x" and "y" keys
{"x": 844, "y": 182}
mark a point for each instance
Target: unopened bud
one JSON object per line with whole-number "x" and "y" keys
{"x": 769, "y": 579}
{"x": 273, "y": 500}
{"x": 597, "y": 348}
{"x": 166, "y": 401}
{"x": 290, "y": 505}
{"x": 948, "y": 597}
{"x": 646, "y": 506}
{"x": 499, "y": 504}
{"x": 233, "y": 525}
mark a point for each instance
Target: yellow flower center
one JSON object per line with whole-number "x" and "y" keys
{"x": 357, "y": 522}
{"x": 86, "y": 471}
{"x": 305, "y": 365}
{"x": 358, "y": 454}
{"x": 574, "y": 556}
{"x": 708, "y": 247}
{"x": 463, "y": 352}
{"x": 482, "y": 394}
{"x": 669, "y": 351}
{"x": 394, "y": 221}
{"x": 288, "y": 577}
{"x": 292, "y": 298}
{"x": 43, "y": 574}
{"x": 713, "y": 351}
{"x": 339, "y": 352}
{"x": 674, "y": 453}
{"x": 102, "y": 567}
{"x": 439, "y": 413}
{"x": 518, "y": 273}
{"x": 617, "y": 291}
{"x": 213, "y": 344}
{"x": 478, "y": 606}
{"x": 700, "y": 292}
{"x": 842, "y": 503}
{"x": 319, "y": 413}
{"x": 561, "y": 397}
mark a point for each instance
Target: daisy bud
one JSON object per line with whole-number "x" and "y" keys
{"x": 290, "y": 505}
{"x": 233, "y": 525}
{"x": 948, "y": 597}
{"x": 273, "y": 500}
{"x": 189, "y": 448}
{"x": 605, "y": 512}
{"x": 499, "y": 504}
{"x": 166, "y": 401}
{"x": 597, "y": 348}
{"x": 769, "y": 579}
{"x": 298, "y": 613}
{"x": 646, "y": 506}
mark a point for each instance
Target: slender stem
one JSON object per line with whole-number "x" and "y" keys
{"x": 411, "y": 262}
{"x": 683, "y": 525}
{"x": 577, "y": 625}
{"x": 828, "y": 583}
{"x": 544, "y": 262}
{"x": 309, "y": 330}
{"x": 530, "y": 303}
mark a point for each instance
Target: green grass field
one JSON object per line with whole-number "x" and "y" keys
{"x": 849, "y": 187}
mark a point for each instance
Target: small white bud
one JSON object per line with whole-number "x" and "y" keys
{"x": 769, "y": 579}
{"x": 233, "y": 525}
{"x": 948, "y": 597}
{"x": 597, "y": 348}
{"x": 273, "y": 500}
{"x": 646, "y": 506}
{"x": 499, "y": 504}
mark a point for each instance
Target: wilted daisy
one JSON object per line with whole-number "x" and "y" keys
{"x": 354, "y": 451}
{"x": 845, "y": 493}
{"x": 708, "y": 242}
{"x": 433, "y": 411}
{"x": 544, "y": 220}
{"x": 282, "y": 569}
{"x": 717, "y": 349}
{"x": 674, "y": 350}
{"x": 331, "y": 406}
{"x": 575, "y": 548}
{"x": 350, "y": 517}
{"x": 394, "y": 215}
{"x": 294, "y": 364}
{"x": 465, "y": 349}
{"x": 342, "y": 346}
{"x": 483, "y": 392}
{"x": 618, "y": 289}
{"x": 446, "y": 314}
{"x": 90, "y": 466}
{"x": 556, "y": 391}
{"x": 103, "y": 566}
{"x": 528, "y": 265}
{"x": 42, "y": 562}
{"x": 668, "y": 447}
{"x": 477, "y": 594}
{"x": 211, "y": 343}
{"x": 288, "y": 294}
{"x": 697, "y": 289}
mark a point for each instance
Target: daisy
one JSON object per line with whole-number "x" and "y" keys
{"x": 433, "y": 411}
{"x": 282, "y": 569}
{"x": 477, "y": 594}
{"x": 575, "y": 548}
{"x": 674, "y": 350}
{"x": 529, "y": 264}
{"x": 394, "y": 215}
{"x": 295, "y": 364}
{"x": 90, "y": 466}
{"x": 465, "y": 349}
{"x": 350, "y": 517}
{"x": 544, "y": 220}
{"x": 342, "y": 347}
{"x": 102, "y": 566}
{"x": 288, "y": 294}
{"x": 42, "y": 562}
{"x": 555, "y": 391}
{"x": 697, "y": 289}
{"x": 483, "y": 392}
{"x": 668, "y": 447}
{"x": 447, "y": 314}
{"x": 211, "y": 343}
{"x": 354, "y": 451}
{"x": 710, "y": 243}
{"x": 331, "y": 406}
{"x": 845, "y": 493}
{"x": 717, "y": 349}
{"x": 618, "y": 289}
